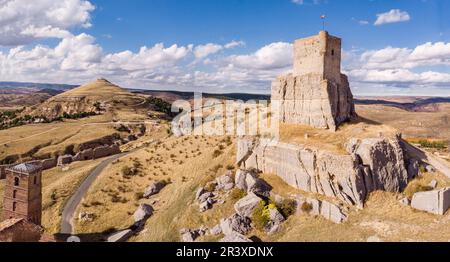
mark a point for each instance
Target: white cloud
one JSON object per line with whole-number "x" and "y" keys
{"x": 22, "y": 21}
{"x": 203, "y": 51}
{"x": 304, "y": 2}
{"x": 393, "y": 58}
{"x": 273, "y": 56}
{"x": 404, "y": 68}
{"x": 363, "y": 22}
{"x": 393, "y": 16}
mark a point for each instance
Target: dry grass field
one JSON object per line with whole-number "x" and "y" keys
{"x": 333, "y": 142}
{"x": 186, "y": 163}
{"x": 432, "y": 124}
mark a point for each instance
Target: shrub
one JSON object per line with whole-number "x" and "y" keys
{"x": 230, "y": 167}
{"x": 237, "y": 194}
{"x": 216, "y": 168}
{"x": 138, "y": 196}
{"x": 210, "y": 187}
{"x": 432, "y": 144}
{"x": 416, "y": 188}
{"x": 422, "y": 169}
{"x": 260, "y": 217}
{"x": 217, "y": 153}
{"x": 127, "y": 171}
{"x": 287, "y": 207}
{"x": 306, "y": 207}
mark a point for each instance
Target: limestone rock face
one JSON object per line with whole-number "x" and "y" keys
{"x": 314, "y": 101}
{"x": 370, "y": 165}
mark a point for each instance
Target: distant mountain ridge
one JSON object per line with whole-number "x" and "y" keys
{"x": 39, "y": 86}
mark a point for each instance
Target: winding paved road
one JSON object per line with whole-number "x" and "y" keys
{"x": 436, "y": 162}
{"x": 75, "y": 200}
{"x": 71, "y": 205}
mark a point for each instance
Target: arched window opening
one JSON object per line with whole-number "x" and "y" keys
{"x": 14, "y": 206}
{"x": 16, "y": 181}
{"x": 35, "y": 180}
{"x": 15, "y": 194}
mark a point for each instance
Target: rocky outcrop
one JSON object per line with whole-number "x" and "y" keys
{"x": 435, "y": 202}
{"x": 247, "y": 205}
{"x": 371, "y": 164}
{"x": 143, "y": 212}
{"x": 154, "y": 189}
{"x": 311, "y": 100}
{"x": 235, "y": 223}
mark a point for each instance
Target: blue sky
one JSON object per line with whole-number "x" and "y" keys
{"x": 135, "y": 23}
{"x": 390, "y": 47}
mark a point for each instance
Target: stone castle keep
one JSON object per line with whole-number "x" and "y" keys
{"x": 316, "y": 93}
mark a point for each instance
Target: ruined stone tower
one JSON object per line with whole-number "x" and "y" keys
{"x": 23, "y": 193}
{"x": 316, "y": 93}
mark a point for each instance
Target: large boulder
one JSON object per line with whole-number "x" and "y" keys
{"x": 239, "y": 179}
{"x": 225, "y": 182}
{"x": 250, "y": 182}
{"x": 188, "y": 235}
{"x": 154, "y": 189}
{"x": 435, "y": 202}
{"x": 142, "y": 213}
{"x": 247, "y": 205}
{"x": 276, "y": 219}
{"x": 235, "y": 223}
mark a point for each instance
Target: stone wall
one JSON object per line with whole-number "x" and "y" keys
{"x": 319, "y": 54}
{"x": 49, "y": 163}
{"x": 378, "y": 165}
{"x": 104, "y": 151}
{"x": 13, "y": 230}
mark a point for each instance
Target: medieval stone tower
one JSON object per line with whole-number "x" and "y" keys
{"x": 23, "y": 193}
{"x": 316, "y": 93}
